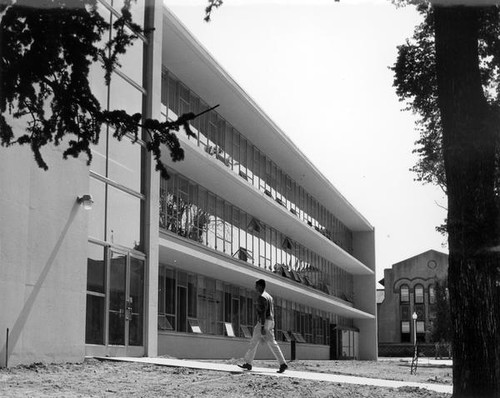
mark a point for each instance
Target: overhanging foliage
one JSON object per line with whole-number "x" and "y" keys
{"x": 47, "y": 48}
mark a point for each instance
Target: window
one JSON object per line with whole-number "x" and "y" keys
{"x": 124, "y": 95}
{"x": 166, "y": 299}
{"x": 125, "y": 231}
{"x": 98, "y": 214}
{"x": 421, "y": 331}
{"x": 405, "y": 312}
{"x": 405, "y": 331}
{"x": 207, "y": 305}
{"x": 94, "y": 330}
{"x": 432, "y": 294}
{"x": 419, "y": 294}
{"x": 192, "y": 297}
{"x": 419, "y": 309}
{"x": 194, "y": 213}
{"x": 226, "y": 144}
{"x": 404, "y": 294}
{"x": 124, "y": 163}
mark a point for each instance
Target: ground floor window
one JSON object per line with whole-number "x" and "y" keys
{"x": 193, "y": 303}
{"x": 420, "y": 325}
{"x": 349, "y": 344}
{"x": 345, "y": 342}
{"x": 405, "y": 332}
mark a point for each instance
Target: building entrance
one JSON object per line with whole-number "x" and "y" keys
{"x": 115, "y": 304}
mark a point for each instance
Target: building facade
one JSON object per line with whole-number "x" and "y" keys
{"x": 409, "y": 288}
{"x": 167, "y": 267}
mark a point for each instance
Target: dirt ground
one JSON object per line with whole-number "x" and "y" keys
{"x": 95, "y": 378}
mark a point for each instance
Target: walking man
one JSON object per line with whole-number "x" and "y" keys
{"x": 264, "y": 329}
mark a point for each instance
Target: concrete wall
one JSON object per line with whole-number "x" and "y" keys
{"x": 365, "y": 295}
{"x": 43, "y": 255}
{"x": 195, "y": 346}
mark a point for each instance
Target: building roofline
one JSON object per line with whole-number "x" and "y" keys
{"x": 418, "y": 255}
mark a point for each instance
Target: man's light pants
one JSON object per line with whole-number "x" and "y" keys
{"x": 257, "y": 337}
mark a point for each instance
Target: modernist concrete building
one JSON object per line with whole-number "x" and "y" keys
{"x": 168, "y": 266}
{"x": 409, "y": 287}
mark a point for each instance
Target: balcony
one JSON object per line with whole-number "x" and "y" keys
{"x": 202, "y": 168}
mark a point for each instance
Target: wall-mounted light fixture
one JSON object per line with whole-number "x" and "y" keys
{"x": 86, "y": 201}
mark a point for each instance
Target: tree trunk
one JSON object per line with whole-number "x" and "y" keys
{"x": 469, "y": 145}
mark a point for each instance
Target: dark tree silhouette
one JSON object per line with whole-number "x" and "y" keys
{"x": 441, "y": 328}
{"x": 46, "y": 48}
{"x": 449, "y": 74}
{"x": 212, "y": 4}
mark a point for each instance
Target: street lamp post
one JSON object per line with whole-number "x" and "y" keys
{"x": 414, "y": 317}
{"x": 414, "y": 361}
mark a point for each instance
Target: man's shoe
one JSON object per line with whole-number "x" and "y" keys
{"x": 246, "y": 366}
{"x": 282, "y": 368}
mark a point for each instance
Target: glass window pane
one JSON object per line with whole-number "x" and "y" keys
{"x": 170, "y": 292}
{"x": 94, "y": 322}
{"x": 432, "y": 295}
{"x": 404, "y": 294}
{"x": 132, "y": 61}
{"x": 124, "y": 219}
{"x": 96, "y": 268}
{"x": 96, "y": 216}
{"x": 136, "y": 9}
{"x": 192, "y": 297}
{"x": 97, "y": 83}
{"x": 99, "y": 154}
{"x": 211, "y": 221}
{"x": 124, "y": 96}
{"x": 125, "y": 163}
{"x": 173, "y": 96}
{"x": 419, "y": 294}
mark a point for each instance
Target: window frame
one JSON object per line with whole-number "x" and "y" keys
{"x": 405, "y": 301}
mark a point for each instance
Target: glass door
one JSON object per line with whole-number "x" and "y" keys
{"x": 118, "y": 299}
{"x": 126, "y": 301}
{"x": 135, "y": 303}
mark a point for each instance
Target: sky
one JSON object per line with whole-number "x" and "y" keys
{"x": 320, "y": 70}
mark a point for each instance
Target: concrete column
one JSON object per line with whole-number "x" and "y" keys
{"x": 365, "y": 292}
{"x": 152, "y": 109}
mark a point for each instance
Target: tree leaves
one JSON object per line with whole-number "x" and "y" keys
{"x": 47, "y": 48}
{"x": 416, "y": 84}
{"x": 211, "y": 5}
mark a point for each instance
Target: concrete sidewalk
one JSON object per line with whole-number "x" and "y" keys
{"x": 334, "y": 378}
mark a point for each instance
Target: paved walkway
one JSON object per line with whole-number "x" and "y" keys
{"x": 334, "y": 378}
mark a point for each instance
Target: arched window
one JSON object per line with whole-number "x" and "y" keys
{"x": 404, "y": 294}
{"x": 419, "y": 294}
{"x": 432, "y": 294}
